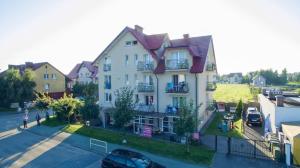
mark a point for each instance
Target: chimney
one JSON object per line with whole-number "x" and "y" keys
{"x": 186, "y": 36}
{"x": 138, "y": 28}
{"x": 279, "y": 100}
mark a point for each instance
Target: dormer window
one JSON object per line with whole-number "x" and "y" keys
{"x": 134, "y": 42}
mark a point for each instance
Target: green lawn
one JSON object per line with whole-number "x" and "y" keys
{"x": 294, "y": 83}
{"x": 232, "y": 93}
{"x": 53, "y": 122}
{"x": 214, "y": 130}
{"x": 198, "y": 154}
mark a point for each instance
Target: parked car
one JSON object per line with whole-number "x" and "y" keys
{"x": 254, "y": 118}
{"x": 122, "y": 158}
{"x": 251, "y": 110}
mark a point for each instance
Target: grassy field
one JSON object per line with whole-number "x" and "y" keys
{"x": 214, "y": 130}
{"x": 198, "y": 154}
{"x": 52, "y": 122}
{"x": 232, "y": 93}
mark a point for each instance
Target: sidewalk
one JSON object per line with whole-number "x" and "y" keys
{"x": 83, "y": 142}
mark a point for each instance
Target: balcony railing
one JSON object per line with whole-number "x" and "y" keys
{"x": 107, "y": 85}
{"x": 172, "y": 109}
{"x": 144, "y": 107}
{"x": 107, "y": 67}
{"x": 145, "y": 87}
{"x": 211, "y": 67}
{"x": 145, "y": 66}
{"x": 181, "y": 87}
{"x": 211, "y": 86}
{"x": 175, "y": 64}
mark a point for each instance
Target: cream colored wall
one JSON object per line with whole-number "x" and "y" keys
{"x": 85, "y": 77}
{"x": 56, "y": 85}
{"x": 118, "y": 69}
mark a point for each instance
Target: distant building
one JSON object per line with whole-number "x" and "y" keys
{"x": 259, "y": 81}
{"x": 84, "y": 73}
{"x": 48, "y": 79}
{"x": 233, "y": 78}
{"x": 275, "y": 112}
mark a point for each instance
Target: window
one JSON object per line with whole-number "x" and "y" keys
{"x": 46, "y": 76}
{"x": 136, "y": 59}
{"x": 107, "y": 82}
{"x": 179, "y": 101}
{"x": 137, "y": 98}
{"x": 148, "y": 79}
{"x": 136, "y": 79}
{"x": 179, "y": 56}
{"x": 54, "y": 76}
{"x": 134, "y": 42}
{"x": 47, "y": 87}
{"x": 147, "y": 58}
{"x": 126, "y": 60}
{"x": 128, "y": 43}
{"x": 108, "y": 97}
{"x": 126, "y": 79}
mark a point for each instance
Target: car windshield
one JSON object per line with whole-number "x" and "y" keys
{"x": 252, "y": 110}
{"x": 253, "y": 116}
{"x": 141, "y": 162}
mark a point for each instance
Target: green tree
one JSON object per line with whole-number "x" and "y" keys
{"x": 90, "y": 110}
{"x": 239, "y": 109}
{"x": 66, "y": 107}
{"x": 186, "y": 123}
{"x": 124, "y": 107}
{"x": 43, "y": 102}
{"x": 27, "y": 86}
{"x": 85, "y": 90}
{"x": 283, "y": 77}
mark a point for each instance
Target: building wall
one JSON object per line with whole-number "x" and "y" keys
{"x": 84, "y": 76}
{"x": 268, "y": 109}
{"x": 118, "y": 67}
{"x": 56, "y": 85}
{"x": 287, "y": 114}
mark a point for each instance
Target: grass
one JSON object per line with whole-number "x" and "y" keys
{"x": 213, "y": 129}
{"x": 294, "y": 83}
{"x": 232, "y": 93}
{"x": 198, "y": 154}
{"x": 53, "y": 122}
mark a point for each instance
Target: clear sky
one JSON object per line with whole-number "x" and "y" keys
{"x": 248, "y": 34}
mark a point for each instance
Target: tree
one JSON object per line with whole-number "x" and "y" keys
{"x": 283, "y": 77}
{"x": 43, "y": 102}
{"x": 124, "y": 107}
{"x": 90, "y": 109}
{"x": 85, "y": 90}
{"x": 186, "y": 123}
{"x": 27, "y": 89}
{"x": 66, "y": 107}
{"x": 239, "y": 109}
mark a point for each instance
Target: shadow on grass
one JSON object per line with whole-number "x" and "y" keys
{"x": 53, "y": 122}
{"x": 198, "y": 154}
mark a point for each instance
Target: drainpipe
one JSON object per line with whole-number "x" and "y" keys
{"x": 196, "y": 99}
{"x": 157, "y": 98}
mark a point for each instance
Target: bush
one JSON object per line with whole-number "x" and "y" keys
{"x": 90, "y": 110}
{"x": 239, "y": 109}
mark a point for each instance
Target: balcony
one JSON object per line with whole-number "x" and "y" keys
{"x": 106, "y": 67}
{"x": 211, "y": 86}
{"x": 181, "y": 87}
{"x": 145, "y": 66}
{"x": 145, "y": 87}
{"x": 211, "y": 67}
{"x": 172, "y": 110}
{"x": 174, "y": 64}
{"x": 107, "y": 85}
{"x": 144, "y": 107}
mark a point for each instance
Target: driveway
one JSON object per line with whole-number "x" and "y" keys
{"x": 49, "y": 147}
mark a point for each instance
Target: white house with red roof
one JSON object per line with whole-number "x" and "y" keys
{"x": 84, "y": 73}
{"x": 165, "y": 74}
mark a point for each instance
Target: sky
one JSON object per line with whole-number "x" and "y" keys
{"x": 248, "y": 35}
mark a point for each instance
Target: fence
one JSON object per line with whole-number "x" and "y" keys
{"x": 98, "y": 143}
{"x": 242, "y": 147}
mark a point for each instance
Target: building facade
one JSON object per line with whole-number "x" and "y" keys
{"x": 83, "y": 73}
{"x": 48, "y": 79}
{"x": 259, "y": 81}
{"x": 165, "y": 74}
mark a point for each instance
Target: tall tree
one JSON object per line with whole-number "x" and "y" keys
{"x": 85, "y": 90}
{"x": 43, "y": 102}
{"x": 27, "y": 86}
{"x": 124, "y": 107}
{"x": 283, "y": 76}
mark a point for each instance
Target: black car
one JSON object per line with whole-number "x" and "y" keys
{"x": 254, "y": 119}
{"x": 121, "y": 158}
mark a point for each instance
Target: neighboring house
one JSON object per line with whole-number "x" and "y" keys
{"x": 283, "y": 109}
{"x": 234, "y": 78}
{"x": 48, "y": 79}
{"x": 164, "y": 73}
{"x": 84, "y": 73}
{"x": 259, "y": 81}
